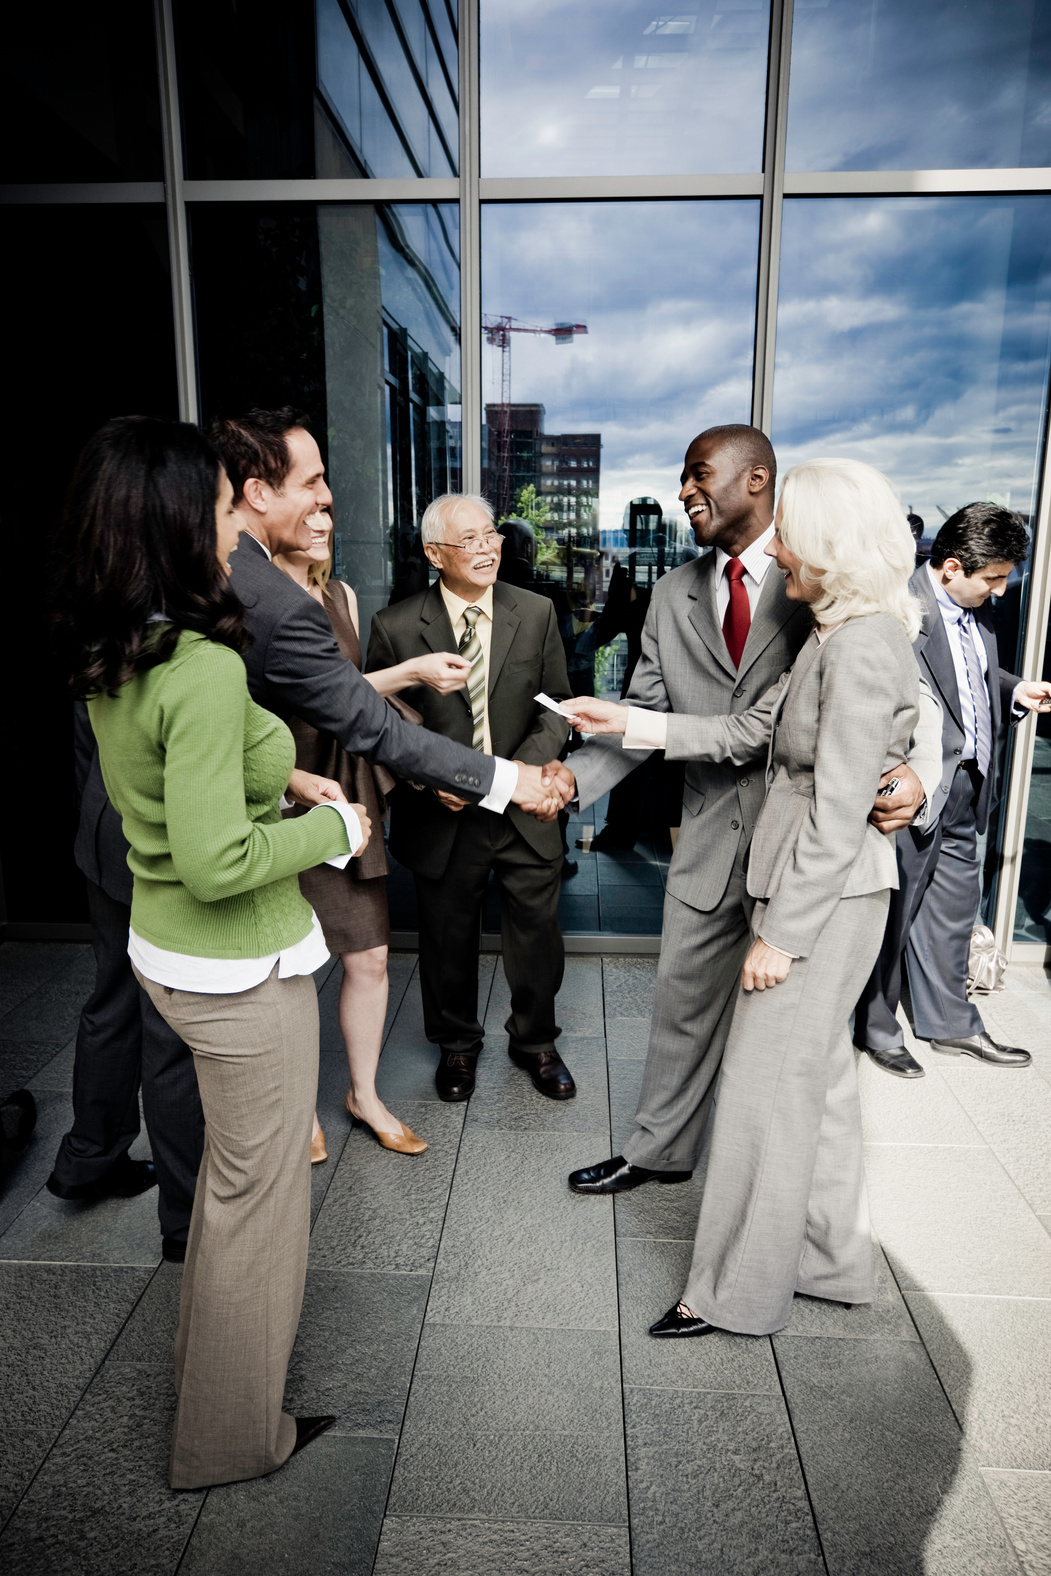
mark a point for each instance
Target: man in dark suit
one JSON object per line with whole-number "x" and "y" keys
{"x": 510, "y": 636}
{"x": 933, "y": 912}
{"x": 295, "y": 667}
{"x": 123, "y": 1041}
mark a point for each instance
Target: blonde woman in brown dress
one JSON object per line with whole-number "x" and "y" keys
{"x": 352, "y": 908}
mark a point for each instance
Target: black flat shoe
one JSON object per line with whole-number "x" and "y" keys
{"x": 899, "y": 1061}
{"x": 125, "y": 1179}
{"x": 678, "y": 1323}
{"x": 617, "y": 1176}
{"x": 548, "y": 1071}
{"x": 454, "y": 1079}
{"x": 309, "y": 1428}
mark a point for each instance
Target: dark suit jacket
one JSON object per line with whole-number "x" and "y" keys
{"x": 525, "y": 656}
{"x": 295, "y": 668}
{"x": 100, "y": 849}
{"x": 935, "y": 659}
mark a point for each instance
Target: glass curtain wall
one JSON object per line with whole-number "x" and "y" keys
{"x": 532, "y": 248}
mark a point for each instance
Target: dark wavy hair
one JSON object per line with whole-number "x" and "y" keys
{"x": 980, "y": 534}
{"x": 138, "y": 539}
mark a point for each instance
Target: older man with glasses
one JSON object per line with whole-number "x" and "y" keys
{"x": 510, "y": 637}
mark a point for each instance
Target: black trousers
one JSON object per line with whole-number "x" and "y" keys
{"x": 929, "y": 927}
{"x": 533, "y": 953}
{"x": 123, "y": 1041}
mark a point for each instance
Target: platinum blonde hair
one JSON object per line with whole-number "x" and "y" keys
{"x": 842, "y": 519}
{"x": 442, "y": 512}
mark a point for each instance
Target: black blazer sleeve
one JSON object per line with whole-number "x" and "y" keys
{"x": 100, "y": 849}
{"x": 546, "y": 739}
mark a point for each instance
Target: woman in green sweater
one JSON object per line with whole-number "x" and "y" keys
{"x": 221, "y": 939}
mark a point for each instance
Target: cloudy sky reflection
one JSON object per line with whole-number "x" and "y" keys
{"x": 914, "y": 333}
{"x": 667, "y": 290}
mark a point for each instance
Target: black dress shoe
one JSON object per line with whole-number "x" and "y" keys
{"x": 617, "y": 1176}
{"x": 898, "y": 1061}
{"x": 985, "y": 1048}
{"x": 548, "y": 1071}
{"x": 125, "y": 1179}
{"x": 174, "y": 1252}
{"x": 454, "y": 1079}
{"x": 569, "y": 869}
{"x": 308, "y": 1428}
{"x": 678, "y": 1323}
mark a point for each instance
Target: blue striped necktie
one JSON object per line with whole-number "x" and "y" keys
{"x": 983, "y": 728}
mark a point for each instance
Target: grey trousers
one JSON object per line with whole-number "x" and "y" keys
{"x": 700, "y": 965}
{"x": 929, "y": 924}
{"x": 785, "y": 1207}
{"x": 256, "y": 1055}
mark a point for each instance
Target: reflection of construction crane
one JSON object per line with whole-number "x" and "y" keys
{"x": 498, "y": 331}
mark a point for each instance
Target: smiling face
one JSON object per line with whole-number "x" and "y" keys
{"x": 797, "y": 589}
{"x": 468, "y": 556}
{"x": 279, "y": 517}
{"x": 227, "y": 522}
{"x": 727, "y": 504}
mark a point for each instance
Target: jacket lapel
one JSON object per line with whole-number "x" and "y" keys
{"x": 992, "y": 677}
{"x": 772, "y": 612}
{"x": 702, "y": 613}
{"x": 932, "y": 646}
{"x": 436, "y": 628}
{"x": 505, "y": 627}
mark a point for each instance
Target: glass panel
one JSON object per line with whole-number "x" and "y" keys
{"x": 351, "y": 313}
{"x": 78, "y": 94}
{"x": 913, "y": 333}
{"x": 88, "y": 336}
{"x": 892, "y": 85}
{"x": 603, "y": 359}
{"x": 340, "y": 88}
{"x": 1033, "y": 914}
{"x": 574, "y": 88}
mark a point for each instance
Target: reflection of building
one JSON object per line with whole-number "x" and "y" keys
{"x": 563, "y": 467}
{"x": 648, "y": 542}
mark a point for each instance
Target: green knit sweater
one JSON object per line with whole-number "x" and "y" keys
{"x": 196, "y": 770}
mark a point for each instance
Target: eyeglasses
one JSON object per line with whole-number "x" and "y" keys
{"x": 474, "y": 544}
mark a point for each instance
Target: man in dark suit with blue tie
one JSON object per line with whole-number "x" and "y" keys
{"x": 933, "y": 912}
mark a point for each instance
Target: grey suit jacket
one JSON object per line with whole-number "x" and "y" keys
{"x": 685, "y": 667}
{"x": 526, "y": 655}
{"x": 295, "y": 668}
{"x": 935, "y": 659}
{"x": 829, "y": 730}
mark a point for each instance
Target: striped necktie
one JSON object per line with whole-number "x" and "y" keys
{"x": 471, "y": 647}
{"x": 983, "y": 728}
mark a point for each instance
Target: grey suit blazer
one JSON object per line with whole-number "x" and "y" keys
{"x": 685, "y": 667}
{"x": 829, "y": 730}
{"x": 295, "y": 668}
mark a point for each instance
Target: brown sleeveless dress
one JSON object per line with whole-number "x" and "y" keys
{"x": 351, "y": 904}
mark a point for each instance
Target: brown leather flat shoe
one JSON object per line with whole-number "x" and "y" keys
{"x": 404, "y": 1143}
{"x": 318, "y": 1151}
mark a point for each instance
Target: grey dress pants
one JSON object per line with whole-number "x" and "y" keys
{"x": 256, "y": 1055}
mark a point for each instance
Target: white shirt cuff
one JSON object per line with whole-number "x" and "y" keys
{"x": 646, "y": 730}
{"x": 1017, "y": 710}
{"x": 505, "y": 781}
{"x": 793, "y": 955}
{"x": 355, "y": 836}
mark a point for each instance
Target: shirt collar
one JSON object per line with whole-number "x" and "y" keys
{"x": 259, "y": 544}
{"x": 756, "y": 561}
{"x": 949, "y": 608}
{"x": 455, "y": 605}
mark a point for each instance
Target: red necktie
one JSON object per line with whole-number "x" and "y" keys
{"x": 738, "y": 616}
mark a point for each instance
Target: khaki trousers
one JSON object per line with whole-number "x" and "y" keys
{"x": 256, "y": 1055}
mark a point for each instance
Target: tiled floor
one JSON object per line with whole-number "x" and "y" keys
{"x": 481, "y": 1333}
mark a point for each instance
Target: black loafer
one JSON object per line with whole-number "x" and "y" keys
{"x": 985, "y": 1048}
{"x": 308, "y": 1428}
{"x": 898, "y": 1061}
{"x": 678, "y": 1323}
{"x": 548, "y": 1071}
{"x": 125, "y": 1179}
{"x": 617, "y": 1176}
{"x": 454, "y": 1079}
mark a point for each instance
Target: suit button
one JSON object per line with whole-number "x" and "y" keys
{"x": 738, "y": 692}
{"x": 735, "y": 826}
{"x": 745, "y": 781}
{"x": 958, "y": 751}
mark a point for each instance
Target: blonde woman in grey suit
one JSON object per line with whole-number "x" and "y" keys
{"x": 785, "y": 1207}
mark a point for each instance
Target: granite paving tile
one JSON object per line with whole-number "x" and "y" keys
{"x": 58, "y": 1322}
{"x": 529, "y": 1430}
{"x": 505, "y": 1096}
{"x": 578, "y": 1005}
{"x": 57, "y": 1072}
{"x": 651, "y": 1277}
{"x": 1011, "y": 1020}
{"x": 1012, "y": 1113}
{"x": 112, "y": 1231}
{"x": 149, "y": 1334}
{"x": 886, "y": 1317}
{"x": 355, "y": 1349}
{"x": 911, "y": 1111}
{"x": 384, "y": 1211}
{"x": 628, "y": 985}
{"x": 993, "y": 1357}
{"x": 1045, "y": 1221}
{"x": 27, "y": 965}
{"x": 628, "y": 1039}
{"x": 51, "y": 1012}
{"x": 1024, "y": 1502}
{"x": 715, "y": 1486}
{"x": 22, "y": 1060}
{"x": 625, "y": 1081}
{"x": 410, "y": 1545}
{"x": 23, "y": 1175}
{"x": 950, "y": 1220}
{"x": 585, "y": 882}
{"x": 578, "y": 914}
{"x": 518, "y": 1246}
{"x": 101, "y": 1502}
{"x": 320, "y": 1515}
{"x": 893, "y": 1488}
